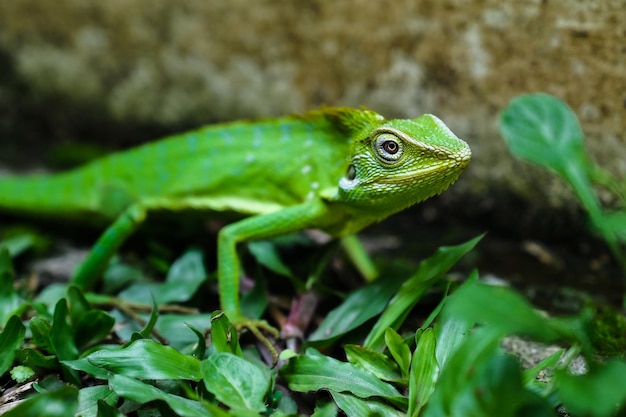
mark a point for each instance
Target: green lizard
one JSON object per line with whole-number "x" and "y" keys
{"x": 334, "y": 169}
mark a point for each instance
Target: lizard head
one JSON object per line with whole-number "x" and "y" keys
{"x": 397, "y": 163}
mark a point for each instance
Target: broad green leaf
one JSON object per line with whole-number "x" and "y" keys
{"x": 89, "y": 397}
{"x": 506, "y": 312}
{"x": 119, "y": 275}
{"x": 599, "y": 393}
{"x": 328, "y": 409}
{"x": 143, "y": 393}
{"x": 236, "y": 382}
{"x": 424, "y": 373}
{"x": 183, "y": 279}
{"x": 254, "y": 302}
{"x": 61, "y": 336}
{"x": 92, "y": 327}
{"x": 360, "y": 306}
{"x": 147, "y": 359}
{"x": 176, "y": 328}
{"x": 224, "y": 335}
{"x": 544, "y": 130}
{"x": 84, "y": 365}
{"x": 36, "y": 359}
{"x": 314, "y": 372}
{"x": 106, "y": 410}
{"x": 10, "y": 302}
{"x": 478, "y": 366}
{"x": 399, "y": 350}
{"x": 60, "y": 403}
{"x": 11, "y": 339}
{"x": 41, "y": 330}
{"x": 452, "y": 331}
{"x": 374, "y": 362}
{"x": 430, "y": 270}
{"x": 264, "y": 251}
{"x": 78, "y": 304}
{"x": 354, "y": 406}
{"x": 21, "y": 374}
{"x": 461, "y": 367}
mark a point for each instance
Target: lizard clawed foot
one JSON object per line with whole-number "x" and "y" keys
{"x": 223, "y": 327}
{"x": 259, "y": 328}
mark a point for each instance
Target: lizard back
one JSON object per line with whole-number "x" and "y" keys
{"x": 248, "y": 167}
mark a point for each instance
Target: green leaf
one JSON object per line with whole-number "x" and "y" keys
{"x": 21, "y": 374}
{"x": 399, "y": 350}
{"x": 236, "y": 382}
{"x": 313, "y": 372}
{"x": 359, "y": 307}
{"x": 353, "y": 406}
{"x": 11, "y": 339}
{"x": 479, "y": 380}
{"x": 544, "y": 130}
{"x": 10, "y": 302}
{"x": 599, "y": 393}
{"x": 147, "y": 330}
{"x": 77, "y": 302}
{"x": 147, "y": 359}
{"x": 88, "y": 399}
{"x": 92, "y": 327}
{"x": 60, "y": 403}
{"x": 183, "y": 279}
{"x": 41, "y": 330}
{"x": 328, "y": 409}
{"x": 615, "y": 221}
{"x": 84, "y": 365}
{"x": 452, "y": 331}
{"x": 119, "y": 275}
{"x": 374, "y": 362}
{"x": 176, "y": 328}
{"x": 61, "y": 336}
{"x": 36, "y": 359}
{"x": 200, "y": 349}
{"x": 430, "y": 270}
{"x": 530, "y": 375}
{"x": 224, "y": 335}
{"x": 143, "y": 393}
{"x": 507, "y": 313}
{"x": 106, "y": 410}
{"x": 424, "y": 373}
{"x": 266, "y": 254}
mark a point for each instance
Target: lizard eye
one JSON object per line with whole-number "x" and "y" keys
{"x": 388, "y": 147}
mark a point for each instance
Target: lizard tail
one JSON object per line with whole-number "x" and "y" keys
{"x": 55, "y": 196}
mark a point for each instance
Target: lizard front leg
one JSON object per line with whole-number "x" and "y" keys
{"x": 292, "y": 219}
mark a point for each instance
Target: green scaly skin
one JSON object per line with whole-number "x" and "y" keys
{"x": 334, "y": 169}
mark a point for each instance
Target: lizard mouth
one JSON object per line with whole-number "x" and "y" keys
{"x": 451, "y": 171}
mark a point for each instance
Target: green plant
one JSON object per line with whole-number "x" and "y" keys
{"x": 544, "y": 130}
{"x": 92, "y": 354}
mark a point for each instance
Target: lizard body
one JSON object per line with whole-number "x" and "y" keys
{"x": 334, "y": 169}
